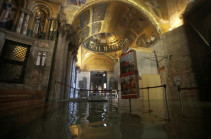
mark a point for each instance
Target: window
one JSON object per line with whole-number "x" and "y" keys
{"x": 13, "y": 61}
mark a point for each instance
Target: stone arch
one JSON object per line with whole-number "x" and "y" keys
{"x": 46, "y": 12}
{"x": 98, "y": 62}
{"x": 42, "y": 6}
{"x": 147, "y": 14}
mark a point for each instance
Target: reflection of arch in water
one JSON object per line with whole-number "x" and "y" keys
{"x": 113, "y": 85}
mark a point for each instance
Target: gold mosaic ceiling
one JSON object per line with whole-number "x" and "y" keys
{"x": 138, "y": 21}
{"x": 103, "y": 42}
{"x": 104, "y": 27}
{"x": 117, "y": 18}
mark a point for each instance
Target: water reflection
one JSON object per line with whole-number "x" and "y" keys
{"x": 84, "y": 120}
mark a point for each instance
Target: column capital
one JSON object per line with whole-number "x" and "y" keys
{"x": 26, "y": 11}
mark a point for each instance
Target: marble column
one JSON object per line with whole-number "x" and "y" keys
{"x": 25, "y": 25}
{"x": 69, "y": 74}
{"x": 20, "y": 22}
{"x": 64, "y": 72}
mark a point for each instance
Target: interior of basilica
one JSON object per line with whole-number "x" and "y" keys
{"x": 114, "y": 69}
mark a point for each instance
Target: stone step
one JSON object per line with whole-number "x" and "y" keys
{"x": 18, "y": 104}
{"x": 21, "y": 93}
{"x": 15, "y": 96}
{"x": 8, "y": 100}
{"x": 21, "y": 110}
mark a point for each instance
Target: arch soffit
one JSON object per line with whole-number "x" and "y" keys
{"x": 98, "y": 57}
{"x": 42, "y": 6}
{"x": 139, "y": 7}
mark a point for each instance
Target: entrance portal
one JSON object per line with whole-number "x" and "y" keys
{"x": 98, "y": 80}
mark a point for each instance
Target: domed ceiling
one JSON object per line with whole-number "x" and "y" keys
{"x": 103, "y": 27}
{"x": 103, "y": 42}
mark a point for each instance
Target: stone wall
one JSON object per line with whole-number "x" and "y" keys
{"x": 146, "y": 62}
{"x": 36, "y": 77}
{"x": 2, "y": 35}
{"x": 175, "y": 61}
{"x": 109, "y": 76}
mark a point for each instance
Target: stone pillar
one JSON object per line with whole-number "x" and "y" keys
{"x": 20, "y": 22}
{"x": 49, "y": 27}
{"x": 26, "y": 23}
{"x": 58, "y": 68}
{"x": 64, "y": 72}
{"x": 69, "y": 74}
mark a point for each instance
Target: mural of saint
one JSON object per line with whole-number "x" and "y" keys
{"x": 39, "y": 23}
{"x": 7, "y": 15}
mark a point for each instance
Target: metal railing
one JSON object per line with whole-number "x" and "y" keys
{"x": 107, "y": 94}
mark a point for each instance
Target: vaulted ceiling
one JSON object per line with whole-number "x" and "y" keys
{"x": 136, "y": 22}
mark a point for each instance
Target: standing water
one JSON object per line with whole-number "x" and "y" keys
{"x": 88, "y": 120}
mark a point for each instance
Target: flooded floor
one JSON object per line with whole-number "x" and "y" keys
{"x": 103, "y": 120}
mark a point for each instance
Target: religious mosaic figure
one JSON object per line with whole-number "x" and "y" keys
{"x": 39, "y": 23}
{"x": 7, "y": 16}
{"x": 155, "y": 9}
{"x": 38, "y": 28}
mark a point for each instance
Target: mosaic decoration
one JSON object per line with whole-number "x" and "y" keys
{"x": 7, "y": 15}
{"x": 133, "y": 19}
{"x": 96, "y": 27}
{"x": 144, "y": 41}
{"x": 84, "y": 18}
{"x": 141, "y": 41}
{"x": 76, "y": 2}
{"x": 137, "y": 26}
{"x": 131, "y": 37}
{"x": 99, "y": 11}
{"x": 103, "y": 42}
{"x": 85, "y": 33}
{"x": 39, "y": 23}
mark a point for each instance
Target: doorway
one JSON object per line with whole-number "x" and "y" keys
{"x": 98, "y": 80}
